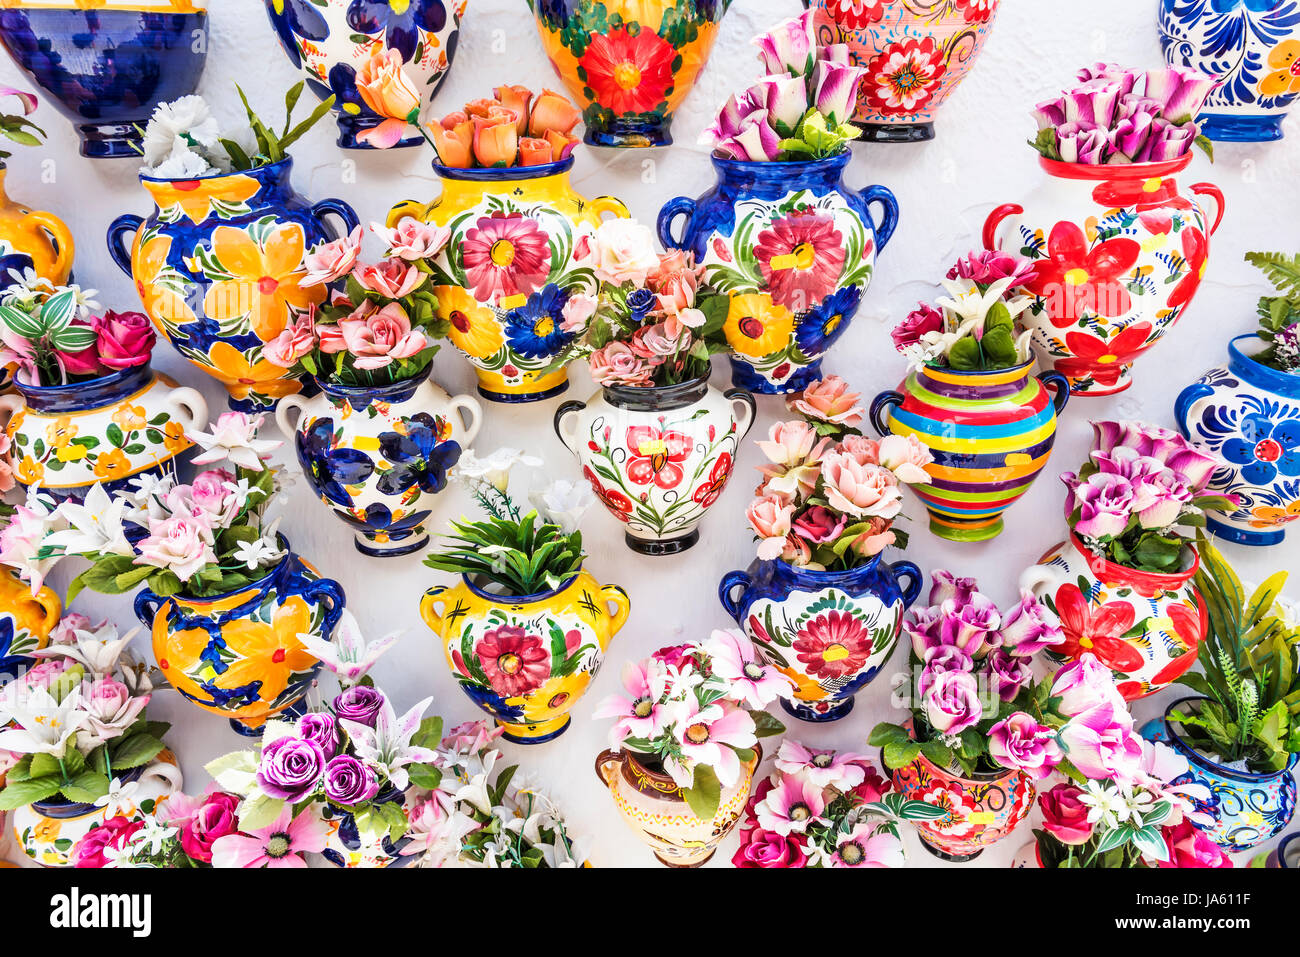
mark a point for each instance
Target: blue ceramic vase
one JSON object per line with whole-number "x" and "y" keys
{"x": 346, "y": 847}
{"x": 106, "y": 69}
{"x": 829, "y": 632}
{"x": 1248, "y": 808}
{"x": 795, "y": 250}
{"x": 1248, "y": 413}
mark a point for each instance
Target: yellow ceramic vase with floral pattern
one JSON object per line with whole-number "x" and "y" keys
{"x": 35, "y": 240}
{"x": 526, "y": 660}
{"x": 25, "y": 622}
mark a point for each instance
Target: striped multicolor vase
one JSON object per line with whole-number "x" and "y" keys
{"x": 990, "y": 434}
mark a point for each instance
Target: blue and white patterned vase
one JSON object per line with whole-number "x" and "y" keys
{"x": 1248, "y": 808}
{"x": 346, "y": 846}
{"x": 1249, "y": 413}
{"x": 1254, "y": 45}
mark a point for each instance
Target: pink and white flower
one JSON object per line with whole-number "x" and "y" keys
{"x": 791, "y": 807}
{"x": 824, "y": 769}
{"x": 751, "y": 681}
{"x": 1022, "y": 744}
{"x": 643, "y": 712}
{"x": 330, "y": 262}
{"x": 709, "y": 735}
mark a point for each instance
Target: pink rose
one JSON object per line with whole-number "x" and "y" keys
{"x": 661, "y": 341}
{"x": 987, "y": 267}
{"x": 114, "y": 832}
{"x": 393, "y": 278}
{"x": 819, "y": 525}
{"x": 124, "y": 340}
{"x": 296, "y": 340}
{"x": 215, "y": 818}
{"x": 65, "y": 632}
{"x": 906, "y": 457}
{"x": 770, "y": 518}
{"x": 1191, "y": 847}
{"x": 210, "y": 494}
{"x": 111, "y": 709}
{"x": 1101, "y": 743}
{"x": 875, "y": 539}
{"x": 578, "y": 312}
{"x": 616, "y": 364}
{"x": 380, "y": 338}
{"x": 1029, "y": 627}
{"x": 789, "y": 443}
{"x": 1020, "y": 743}
{"x": 412, "y": 239}
{"x": 181, "y": 543}
{"x": 863, "y": 450}
{"x": 624, "y": 252}
{"x": 1105, "y": 503}
{"x": 85, "y": 362}
{"x": 760, "y": 848}
{"x": 829, "y": 400}
{"x": 1065, "y": 817}
{"x": 859, "y": 490}
{"x": 1083, "y": 685}
{"x": 919, "y": 322}
{"x": 676, "y": 282}
{"x": 951, "y": 702}
{"x": 43, "y": 675}
{"x": 332, "y": 261}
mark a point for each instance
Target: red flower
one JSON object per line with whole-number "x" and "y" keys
{"x": 1102, "y": 360}
{"x": 505, "y": 255}
{"x": 903, "y": 77}
{"x": 1096, "y": 629}
{"x": 629, "y": 74}
{"x": 618, "y": 503}
{"x": 656, "y": 456}
{"x": 514, "y": 661}
{"x": 977, "y": 11}
{"x": 1196, "y": 250}
{"x": 801, "y": 257}
{"x": 1190, "y": 630}
{"x": 760, "y": 848}
{"x": 1075, "y": 280}
{"x": 708, "y": 493}
{"x": 855, "y": 14}
{"x": 1142, "y": 194}
{"x": 833, "y": 645}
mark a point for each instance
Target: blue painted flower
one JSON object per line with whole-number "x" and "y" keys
{"x": 379, "y": 518}
{"x": 535, "y": 329}
{"x": 819, "y": 329}
{"x": 399, "y": 20}
{"x": 297, "y": 18}
{"x": 417, "y": 457}
{"x": 491, "y": 702}
{"x": 1265, "y": 448}
{"x": 330, "y": 469}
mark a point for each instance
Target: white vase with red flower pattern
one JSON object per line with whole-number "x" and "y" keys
{"x": 658, "y": 457}
{"x": 1145, "y": 626}
{"x": 1120, "y": 250}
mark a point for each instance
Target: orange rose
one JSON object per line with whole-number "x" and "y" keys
{"x": 496, "y": 141}
{"x": 386, "y": 89}
{"x": 454, "y": 144}
{"x": 534, "y": 152}
{"x": 516, "y": 100}
{"x": 562, "y": 144}
{"x": 553, "y": 112}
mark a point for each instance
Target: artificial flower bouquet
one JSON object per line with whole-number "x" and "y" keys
{"x": 973, "y": 328}
{"x": 1279, "y": 316}
{"x": 830, "y": 495}
{"x": 821, "y": 808}
{"x": 695, "y": 712}
{"x": 1117, "y": 115}
{"x": 648, "y": 323}
{"x": 801, "y": 110}
{"x": 182, "y": 833}
{"x": 16, "y": 127}
{"x": 515, "y": 128}
{"x": 1140, "y": 486}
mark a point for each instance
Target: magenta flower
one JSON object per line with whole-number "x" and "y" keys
{"x": 1078, "y": 143}
{"x": 789, "y": 47}
{"x": 1180, "y": 91}
{"x": 1083, "y": 685}
{"x": 941, "y": 659}
{"x": 868, "y": 846}
{"x": 835, "y": 90}
{"x": 1105, "y": 502}
{"x": 971, "y": 625}
{"x": 952, "y": 703}
{"x": 1022, "y": 744}
{"x": 919, "y": 322}
{"x": 1065, "y": 817}
{"x": 823, "y": 769}
{"x": 792, "y": 806}
{"x": 290, "y": 768}
{"x": 1029, "y": 627}
{"x": 1100, "y": 742}
{"x": 1007, "y": 672}
{"x": 945, "y": 586}
{"x": 280, "y": 844}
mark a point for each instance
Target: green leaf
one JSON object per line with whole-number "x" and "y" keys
{"x": 136, "y": 750}
{"x": 765, "y": 726}
{"x": 43, "y": 765}
{"x": 86, "y": 787}
{"x": 21, "y": 793}
{"x": 258, "y": 812}
{"x": 705, "y": 793}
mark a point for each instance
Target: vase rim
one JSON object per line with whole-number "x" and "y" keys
{"x": 1019, "y": 367}
{"x": 1161, "y": 578}
{"x": 1206, "y": 761}
{"x": 273, "y": 572}
{"x": 1109, "y": 171}
{"x": 344, "y": 391}
{"x": 839, "y": 160}
{"x": 521, "y": 599}
{"x": 688, "y": 391}
{"x": 977, "y": 777}
{"x": 67, "y": 810}
{"x": 1275, "y": 380}
{"x": 281, "y": 167}
{"x": 71, "y": 389}
{"x": 827, "y": 576}
{"x": 494, "y": 174}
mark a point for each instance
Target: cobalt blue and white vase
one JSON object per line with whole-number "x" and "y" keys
{"x": 346, "y": 846}
{"x": 378, "y": 456}
{"x": 1248, "y": 808}
{"x": 106, "y": 66}
{"x": 1254, "y": 45}
{"x": 1249, "y": 413}
{"x": 829, "y": 632}
{"x": 331, "y": 41}
{"x": 795, "y": 249}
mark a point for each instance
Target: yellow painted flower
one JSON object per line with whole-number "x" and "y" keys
{"x": 1285, "y": 78}
{"x": 195, "y": 196}
{"x": 268, "y": 653}
{"x": 112, "y": 465}
{"x": 47, "y": 830}
{"x": 265, "y": 283}
{"x": 1269, "y": 516}
{"x": 60, "y": 432}
{"x": 243, "y": 378}
{"x": 475, "y": 330}
{"x": 162, "y": 304}
{"x": 30, "y": 471}
{"x": 174, "y": 437}
{"x": 128, "y": 417}
{"x": 756, "y": 326}
{"x": 806, "y": 689}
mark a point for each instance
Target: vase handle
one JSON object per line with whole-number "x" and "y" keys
{"x": 615, "y": 595}
{"x": 468, "y": 407}
{"x": 65, "y": 247}
{"x": 147, "y": 605}
{"x": 10, "y": 403}
{"x": 335, "y": 207}
{"x": 1187, "y": 400}
{"x": 431, "y": 617}
{"x": 681, "y": 206}
{"x": 1036, "y": 577}
{"x": 609, "y": 204}
{"x": 191, "y": 408}
{"x": 878, "y": 406}
{"x": 329, "y": 591}
{"x": 408, "y": 208}
{"x": 568, "y": 436}
{"x": 914, "y": 578}
{"x": 1060, "y": 387}
{"x": 726, "y": 592}
{"x": 284, "y": 409}
{"x": 1216, "y": 194}
{"x": 604, "y": 760}
{"x": 994, "y": 223}
{"x": 128, "y": 223}
{"x": 743, "y": 401}
{"x": 884, "y": 230}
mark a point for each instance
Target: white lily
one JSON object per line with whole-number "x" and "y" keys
{"x": 120, "y": 798}
{"x": 44, "y": 724}
{"x": 23, "y": 542}
{"x": 97, "y": 651}
{"x": 153, "y": 837}
{"x": 349, "y": 655}
{"x": 478, "y": 778}
{"x": 563, "y": 503}
{"x": 258, "y": 553}
{"x": 145, "y": 497}
{"x": 387, "y": 746}
{"x": 495, "y": 469}
{"x": 95, "y": 527}
{"x": 234, "y": 438}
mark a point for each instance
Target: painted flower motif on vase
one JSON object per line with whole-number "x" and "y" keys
{"x": 656, "y": 456}
{"x": 833, "y": 645}
{"x": 1265, "y": 448}
{"x": 903, "y": 77}
{"x": 628, "y": 72}
{"x": 505, "y": 254}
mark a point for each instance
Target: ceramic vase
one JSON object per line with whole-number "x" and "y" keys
{"x": 1119, "y": 252}
{"x": 1253, "y": 46}
{"x": 331, "y": 41}
{"x": 511, "y": 265}
{"x": 32, "y": 239}
{"x": 66, "y": 438}
{"x": 107, "y": 65}
{"x": 26, "y": 621}
{"x": 990, "y": 434}
{"x": 915, "y": 52}
{"x": 378, "y": 456}
{"x": 526, "y": 659}
{"x": 238, "y": 654}
{"x": 981, "y": 809}
{"x": 628, "y": 63}
{"x": 795, "y": 249}
{"x": 1248, "y": 808}
{"x": 828, "y": 632}
{"x": 47, "y": 831}
{"x": 1286, "y": 854}
{"x": 1248, "y": 413}
{"x": 218, "y": 266}
{"x": 346, "y": 846}
{"x": 659, "y": 457}
{"x": 1146, "y": 627}
{"x": 653, "y": 806}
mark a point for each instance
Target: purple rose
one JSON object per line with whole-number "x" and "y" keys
{"x": 349, "y": 782}
{"x": 1105, "y": 503}
{"x": 1180, "y": 91}
{"x": 1029, "y": 627}
{"x": 989, "y": 266}
{"x": 1093, "y": 104}
{"x": 922, "y": 626}
{"x": 1050, "y": 113}
{"x": 360, "y": 704}
{"x": 321, "y": 728}
{"x": 940, "y": 660}
{"x": 1083, "y": 685}
{"x": 945, "y": 585}
{"x": 1191, "y": 464}
{"x": 1081, "y": 144}
{"x": 1022, "y": 744}
{"x": 1159, "y": 501}
{"x": 1007, "y": 673}
{"x": 972, "y": 625}
{"x": 952, "y": 702}
{"x": 290, "y": 768}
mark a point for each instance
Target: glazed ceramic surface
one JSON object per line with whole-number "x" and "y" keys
{"x": 238, "y": 654}
{"x": 628, "y": 63}
{"x": 526, "y": 660}
{"x": 829, "y": 632}
{"x": 915, "y": 52}
{"x": 347, "y": 847}
{"x": 106, "y": 65}
{"x": 67, "y": 438}
{"x": 981, "y": 810}
{"x": 1120, "y": 251}
{"x": 1248, "y": 808}
{"x": 217, "y": 266}
{"x": 795, "y": 249}
{"x": 31, "y": 239}
{"x": 379, "y": 456}
{"x": 1253, "y": 46}
{"x": 1145, "y": 627}
{"x": 1249, "y": 414}
{"x": 658, "y": 458}
{"x": 511, "y": 265}
{"x": 653, "y": 806}
{"x": 48, "y": 830}
{"x": 331, "y": 41}
{"x": 25, "y": 623}
{"x": 990, "y": 433}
